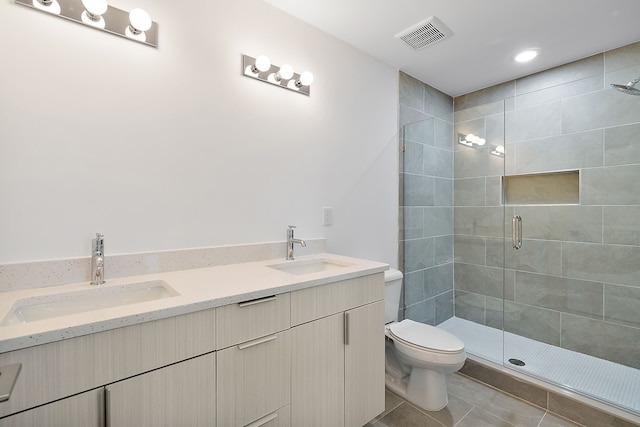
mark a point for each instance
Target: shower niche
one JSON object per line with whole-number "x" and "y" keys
{"x": 555, "y": 188}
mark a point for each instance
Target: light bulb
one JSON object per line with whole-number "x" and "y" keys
{"x": 51, "y": 6}
{"x": 481, "y": 141}
{"x": 470, "y": 137}
{"x": 93, "y": 13}
{"x": 262, "y": 64}
{"x": 285, "y": 72}
{"x": 500, "y": 148}
{"x": 306, "y": 78}
{"x": 95, "y": 7}
{"x": 140, "y": 20}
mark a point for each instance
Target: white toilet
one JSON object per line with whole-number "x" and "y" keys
{"x": 417, "y": 355}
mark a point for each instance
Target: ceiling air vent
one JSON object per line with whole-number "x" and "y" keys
{"x": 425, "y": 33}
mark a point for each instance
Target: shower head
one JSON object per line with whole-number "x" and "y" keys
{"x": 629, "y": 88}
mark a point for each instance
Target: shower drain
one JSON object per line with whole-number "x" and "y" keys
{"x": 516, "y": 362}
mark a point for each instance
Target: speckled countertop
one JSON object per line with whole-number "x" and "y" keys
{"x": 198, "y": 289}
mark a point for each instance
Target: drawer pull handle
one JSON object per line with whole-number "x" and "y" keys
{"x": 8, "y": 377}
{"x": 107, "y": 407}
{"x": 257, "y": 301}
{"x": 262, "y": 421}
{"x": 346, "y": 328}
{"x": 256, "y": 342}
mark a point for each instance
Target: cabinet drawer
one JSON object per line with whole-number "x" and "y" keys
{"x": 253, "y": 379}
{"x": 63, "y": 368}
{"x": 279, "y": 418}
{"x": 321, "y": 301}
{"x": 236, "y": 323}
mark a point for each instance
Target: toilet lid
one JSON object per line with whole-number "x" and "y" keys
{"x": 426, "y": 336}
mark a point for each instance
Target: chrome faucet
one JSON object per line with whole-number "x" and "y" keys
{"x": 291, "y": 241}
{"x": 97, "y": 260}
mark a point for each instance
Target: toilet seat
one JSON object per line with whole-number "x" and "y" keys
{"x": 424, "y": 337}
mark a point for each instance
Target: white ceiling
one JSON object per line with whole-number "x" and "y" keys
{"x": 487, "y": 34}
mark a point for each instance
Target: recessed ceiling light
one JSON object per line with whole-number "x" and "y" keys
{"x": 527, "y": 55}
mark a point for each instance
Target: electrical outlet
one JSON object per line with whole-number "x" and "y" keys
{"x": 327, "y": 216}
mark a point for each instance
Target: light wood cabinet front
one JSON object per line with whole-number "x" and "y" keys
{"x": 177, "y": 395}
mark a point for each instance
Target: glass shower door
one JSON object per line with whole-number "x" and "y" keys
{"x": 572, "y": 246}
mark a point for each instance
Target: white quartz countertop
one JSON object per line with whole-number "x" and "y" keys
{"x": 198, "y": 289}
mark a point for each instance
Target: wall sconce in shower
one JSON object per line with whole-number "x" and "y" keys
{"x": 260, "y": 68}
{"x": 471, "y": 140}
{"x": 136, "y": 25}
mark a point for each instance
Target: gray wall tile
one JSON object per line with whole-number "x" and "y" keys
{"x": 469, "y": 306}
{"x": 532, "y": 322}
{"x": 600, "y": 109}
{"x": 470, "y": 163}
{"x": 622, "y": 145}
{"x": 534, "y": 122}
{"x": 611, "y": 186}
{"x": 413, "y": 158}
{"x": 568, "y": 73}
{"x": 412, "y": 222}
{"x": 444, "y": 307}
{"x": 621, "y": 225}
{"x": 411, "y": 92}
{"x": 493, "y": 94}
{"x": 418, "y": 190}
{"x": 607, "y": 263}
{"x": 479, "y": 221}
{"x": 555, "y": 93}
{"x": 443, "y": 134}
{"x": 469, "y": 191}
{"x": 567, "y": 223}
{"x": 413, "y": 287}
{"x": 579, "y": 297}
{"x": 535, "y": 256}
{"x": 423, "y": 311}
{"x": 617, "y": 343}
{"x": 443, "y": 192}
{"x": 622, "y": 57}
{"x": 444, "y": 250}
{"x": 470, "y": 249}
{"x": 438, "y": 280}
{"x": 438, "y": 103}
{"x": 478, "y": 279}
{"x": 574, "y": 151}
{"x": 438, "y": 162}
{"x": 494, "y": 191}
{"x": 421, "y": 132}
{"x": 419, "y": 254}
{"x": 621, "y": 305}
{"x": 438, "y": 221}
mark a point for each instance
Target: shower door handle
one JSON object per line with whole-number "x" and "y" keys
{"x": 516, "y": 231}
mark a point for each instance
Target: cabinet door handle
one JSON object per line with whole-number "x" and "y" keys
{"x": 257, "y": 301}
{"x": 107, "y": 407}
{"x": 8, "y": 377}
{"x": 256, "y": 342}
{"x": 262, "y": 421}
{"x": 516, "y": 231}
{"x": 346, "y": 328}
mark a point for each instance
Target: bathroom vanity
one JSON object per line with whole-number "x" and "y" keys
{"x": 268, "y": 343}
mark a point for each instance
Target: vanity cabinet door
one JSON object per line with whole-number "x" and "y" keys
{"x": 182, "y": 394}
{"x": 317, "y": 386}
{"x": 364, "y": 364}
{"x": 82, "y": 410}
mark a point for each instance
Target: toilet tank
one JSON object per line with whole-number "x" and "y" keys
{"x": 392, "y": 291}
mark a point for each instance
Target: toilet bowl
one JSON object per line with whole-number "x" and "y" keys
{"x": 418, "y": 356}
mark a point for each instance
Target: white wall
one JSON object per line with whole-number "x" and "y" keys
{"x": 173, "y": 148}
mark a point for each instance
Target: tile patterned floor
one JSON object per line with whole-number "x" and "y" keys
{"x": 471, "y": 404}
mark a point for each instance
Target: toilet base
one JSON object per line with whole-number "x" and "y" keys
{"x": 424, "y": 388}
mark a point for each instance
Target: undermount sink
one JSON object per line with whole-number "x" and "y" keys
{"x": 50, "y": 306}
{"x": 307, "y": 266}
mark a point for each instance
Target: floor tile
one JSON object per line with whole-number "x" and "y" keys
{"x": 406, "y": 415}
{"x": 480, "y": 418}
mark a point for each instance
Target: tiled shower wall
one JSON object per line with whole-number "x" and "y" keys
{"x": 575, "y": 282}
{"x": 426, "y": 231}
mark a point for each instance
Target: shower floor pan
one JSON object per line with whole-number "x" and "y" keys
{"x": 608, "y": 381}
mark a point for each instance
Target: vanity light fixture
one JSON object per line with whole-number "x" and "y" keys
{"x": 471, "y": 140}
{"x": 262, "y": 69}
{"x": 136, "y": 25}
